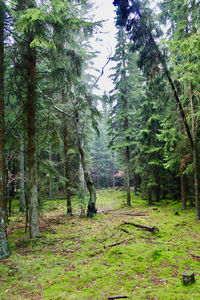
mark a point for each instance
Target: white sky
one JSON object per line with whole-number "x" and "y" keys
{"x": 104, "y": 10}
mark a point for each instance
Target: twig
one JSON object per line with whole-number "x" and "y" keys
{"x": 48, "y": 225}
{"x": 102, "y": 71}
{"x": 117, "y": 243}
{"x": 124, "y": 230}
{"x": 195, "y": 257}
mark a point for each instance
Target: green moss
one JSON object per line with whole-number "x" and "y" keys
{"x": 78, "y": 263}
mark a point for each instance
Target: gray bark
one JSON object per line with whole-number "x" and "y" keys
{"x": 51, "y": 193}
{"x": 32, "y": 160}
{"x": 126, "y": 125}
{"x": 183, "y": 198}
{"x": 195, "y": 156}
{"x": 66, "y": 159}
{"x": 4, "y": 247}
{"x": 128, "y": 188}
{"x": 89, "y": 182}
{"x": 22, "y": 178}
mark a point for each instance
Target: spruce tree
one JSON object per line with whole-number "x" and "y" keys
{"x": 4, "y": 248}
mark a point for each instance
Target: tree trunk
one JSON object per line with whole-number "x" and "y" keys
{"x": 113, "y": 168}
{"x": 126, "y": 123}
{"x": 90, "y": 185}
{"x": 195, "y": 155}
{"x": 150, "y": 200}
{"x": 22, "y": 207}
{"x": 157, "y": 188}
{"x": 51, "y": 192}
{"x": 66, "y": 159}
{"x": 128, "y": 175}
{"x": 89, "y": 182}
{"x": 4, "y": 248}
{"x": 32, "y": 160}
{"x": 183, "y": 198}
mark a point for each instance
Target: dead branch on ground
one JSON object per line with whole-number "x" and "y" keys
{"x": 146, "y": 227}
{"x": 117, "y": 243}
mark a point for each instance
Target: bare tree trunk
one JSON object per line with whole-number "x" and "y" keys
{"x": 51, "y": 192}
{"x": 32, "y": 160}
{"x": 4, "y": 248}
{"x": 150, "y": 200}
{"x": 128, "y": 189}
{"x": 66, "y": 159}
{"x": 126, "y": 123}
{"x": 22, "y": 178}
{"x": 195, "y": 155}
{"x": 113, "y": 168}
{"x": 89, "y": 182}
{"x": 183, "y": 198}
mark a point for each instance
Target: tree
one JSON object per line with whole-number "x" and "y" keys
{"x": 143, "y": 32}
{"x": 123, "y": 99}
{"x": 183, "y": 31}
{"x": 4, "y": 248}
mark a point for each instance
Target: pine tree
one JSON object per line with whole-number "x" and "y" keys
{"x": 4, "y": 248}
{"x": 144, "y": 32}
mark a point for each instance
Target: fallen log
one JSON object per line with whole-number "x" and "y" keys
{"x": 118, "y": 297}
{"x": 146, "y": 227}
{"x": 117, "y": 243}
{"x": 136, "y": 214}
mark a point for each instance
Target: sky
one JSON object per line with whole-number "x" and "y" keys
{"x": 104, "y": 10}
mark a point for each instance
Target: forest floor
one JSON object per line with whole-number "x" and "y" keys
{"x": 77, "y": 258}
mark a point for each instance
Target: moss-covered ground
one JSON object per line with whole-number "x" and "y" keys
{"x": 74, "y": 258}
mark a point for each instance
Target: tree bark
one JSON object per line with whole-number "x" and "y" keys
{"x": 195, "y": 155}
{"x": 51, "y": 192}
{"x": 66, "y": 159}
{"x": 183, "y": 198}
{"x": 32, "y": 160}
{"x": 22, "y": 207}
{"x": 157, "y": 190}
{"x": 150, "y": 200}
{"x": 128, "y": 187}
{"x": 89, "y": 182}
{"x": 146, "y": 227}
{"x": 126, "y": 123}
{"x": 113, "y": 168}
{"x": 4, "y": 248}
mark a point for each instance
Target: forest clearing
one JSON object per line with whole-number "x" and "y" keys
{"x": 75, "y": 258}
{"x": 99, "y": 149}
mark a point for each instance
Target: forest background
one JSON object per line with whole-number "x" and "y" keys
{"x": 54, "y": 138}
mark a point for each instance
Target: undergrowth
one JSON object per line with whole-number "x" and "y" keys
{"x": 75, "y": 258}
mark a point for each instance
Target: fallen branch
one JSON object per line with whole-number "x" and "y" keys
{"x": 124, "y": 230}
{"x": 135, "y": 214}
{"x": 195, "y": 257}
{"x": 146, "y": 227}
{"x": 108, "y": 237}
{"x": 117, "y": 243}
{"x": 117, "y": 297}
{"x": 54, "y": 232}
